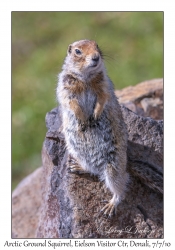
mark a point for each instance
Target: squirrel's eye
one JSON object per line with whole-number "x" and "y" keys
{"x": 77, "y": 51}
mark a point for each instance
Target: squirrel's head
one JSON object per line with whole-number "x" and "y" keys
{"x": 84, "y": 56}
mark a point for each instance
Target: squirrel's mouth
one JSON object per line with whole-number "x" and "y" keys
{"x": 93, "y": 65}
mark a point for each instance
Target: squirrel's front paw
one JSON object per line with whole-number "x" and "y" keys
{"x": 93, "y": 122}
{"x": 96, "y": 116}
{"x": 82, "y": 125}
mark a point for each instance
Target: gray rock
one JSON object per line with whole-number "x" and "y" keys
{"x": 145, "y": 98}
{"x": 152, "y": 107}
{"x": 71, "y": 203}
{"x": 26, "y": 202}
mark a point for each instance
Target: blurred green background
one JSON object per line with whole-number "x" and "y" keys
{"x": 131, "y": 41}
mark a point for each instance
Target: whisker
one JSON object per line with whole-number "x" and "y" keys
{"x": 109, "y": 57}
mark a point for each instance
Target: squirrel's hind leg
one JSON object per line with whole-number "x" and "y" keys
{"x": 116, "y": 180}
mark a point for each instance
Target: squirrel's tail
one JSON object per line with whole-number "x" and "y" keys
{"x": 150, "y": 175}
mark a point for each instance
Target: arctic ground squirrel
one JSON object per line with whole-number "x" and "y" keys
{"x": 93, "y": 126}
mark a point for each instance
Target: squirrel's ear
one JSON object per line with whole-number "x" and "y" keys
{"x": 69, "y": 50}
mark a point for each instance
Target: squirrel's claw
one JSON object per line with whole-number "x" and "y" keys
{"x": 82, "y": 125}
{"x": 75, "y": 169}
{"x": 109, "y": 210}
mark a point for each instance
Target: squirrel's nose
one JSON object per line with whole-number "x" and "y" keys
{"x": 95, "y": 58}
